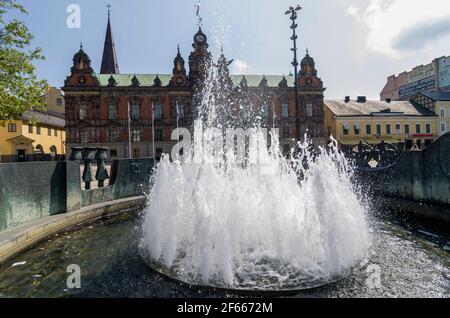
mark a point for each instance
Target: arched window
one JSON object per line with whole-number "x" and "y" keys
{"x": 53, "y": 151}
{"x": 39, "y": 150}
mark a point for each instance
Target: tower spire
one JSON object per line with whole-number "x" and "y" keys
{"x": 109, "y": 60}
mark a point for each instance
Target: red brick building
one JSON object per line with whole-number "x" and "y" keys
{"x": 110, "y": 109}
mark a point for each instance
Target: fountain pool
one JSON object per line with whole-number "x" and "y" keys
{"x": 410, "y": 264}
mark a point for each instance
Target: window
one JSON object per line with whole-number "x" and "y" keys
{"x": 388, "y": 129}
{"x": 30, "y": 129}
{"x": 345, "y": 129}
{"x": 158, "y": 111}
{"x": 56, "y": 132}
{"x": 443, "y": 128}
{"x": 428, "y": 128}
{"x": 136, "y": 153}
{"x": 407, "y": 129}
{"x": 159, "y": 135}
{"x": 83, "y": 111}
{"x": 309, "y": 110}
{"x": 398, "y": 129}
{"x": 113, "y": 153}
{"x": 357, "y": 129}
{"x": 84, "y": 137}
{"x": 135, "y": 110}
{"x": 417, "y": 128}
{"x": 181, "y": 111}
{"x": 112, "y": 112}
{"x": 59, "y": 101}
{"x": 442, "y": 112}
{"x": 136, "y": 135}
{"x": 49, "y": 132}
{"x": 114, "y": 136}
{"x": 379, "y": 129}
{"x": 38, "y": 130}
{"x": 53, "y": 151}
{"x": 12, "y": 127}
{"x": 265, "y": 110}
{"x": 285, "y": 110}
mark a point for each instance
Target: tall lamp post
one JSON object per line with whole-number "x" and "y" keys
{"x": 293, "y": 16}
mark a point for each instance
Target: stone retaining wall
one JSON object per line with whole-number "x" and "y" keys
{"x": 29, "y": 191}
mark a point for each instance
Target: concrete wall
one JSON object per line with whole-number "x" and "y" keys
{"x": 418, "y": 175}
{"x": 29, "y": 191}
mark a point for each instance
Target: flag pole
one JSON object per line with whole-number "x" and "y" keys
{"x": 129, "y": 131}
{"x": 153, "y": 128}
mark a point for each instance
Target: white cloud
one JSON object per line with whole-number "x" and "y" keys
{"x": 396, "y": 26}
{"x": 353, "y": 11}
{"x": 239, "y": 67}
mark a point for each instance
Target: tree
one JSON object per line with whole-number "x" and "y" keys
{"x": 20, "y": 90}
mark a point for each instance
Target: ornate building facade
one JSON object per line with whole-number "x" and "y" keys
{"x": 114, "y": 110}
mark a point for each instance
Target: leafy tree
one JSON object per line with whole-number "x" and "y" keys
{"x": 20, "y": 90}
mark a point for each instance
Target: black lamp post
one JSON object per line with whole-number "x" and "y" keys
{"x": 293, "y": 16}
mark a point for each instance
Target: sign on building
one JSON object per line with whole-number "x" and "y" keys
{"x": 421, "y": 72}
{"x": 423, "y": 85}
{"x": 444, "y": 73}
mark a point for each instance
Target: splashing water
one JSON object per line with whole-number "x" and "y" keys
{"x": 271, "y": 224}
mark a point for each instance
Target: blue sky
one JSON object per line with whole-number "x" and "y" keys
{"x": 356, "y": 43}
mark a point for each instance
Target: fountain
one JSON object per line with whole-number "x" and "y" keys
{"x": 266, "y": 223}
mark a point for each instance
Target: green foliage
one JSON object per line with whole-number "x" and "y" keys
{"x": 20, "y": 90}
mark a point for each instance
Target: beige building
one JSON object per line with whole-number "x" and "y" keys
{"x": 350, "y": 122}
{"x": 37, "y": 135}
{"x": 439, "y": 103}
{"x": 432, "y": 77}
{"x": 55, "y": 100}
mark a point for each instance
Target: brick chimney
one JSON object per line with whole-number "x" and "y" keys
{"x": 361, "y": 99}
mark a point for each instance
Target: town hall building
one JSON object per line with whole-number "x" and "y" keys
{"x": 115, "y": 110}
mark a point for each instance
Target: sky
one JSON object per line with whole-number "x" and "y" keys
{"x": 356, "y": 44}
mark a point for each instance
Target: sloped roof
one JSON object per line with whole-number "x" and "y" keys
{"x": 125, "y": 79}
{"x": 48, "y": 118}
{"x": 148, "y": 79}
{"x": 342, "y": 109}
{"x": 441, "y": 96}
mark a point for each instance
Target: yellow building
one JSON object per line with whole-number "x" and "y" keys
{"x": 38, "y": 136}
{"x": 55, "y": 100}
{"x": 350, "y": 122}
{"x": 439, "y": 103}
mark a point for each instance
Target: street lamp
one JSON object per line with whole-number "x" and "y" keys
{"x": 293, "y": 16}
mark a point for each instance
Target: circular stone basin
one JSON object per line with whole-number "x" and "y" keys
{"x": 269, "y": 278}
{"x": 108, "y": 254}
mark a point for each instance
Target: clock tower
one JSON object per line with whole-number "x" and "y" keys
{"x": 200, "y": 59}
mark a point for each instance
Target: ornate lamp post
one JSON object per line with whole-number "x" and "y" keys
{"x": 293, "y": 16}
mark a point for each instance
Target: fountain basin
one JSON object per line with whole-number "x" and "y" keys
{"x": 108, "y": 254}
{"x": 15, "y": 240}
